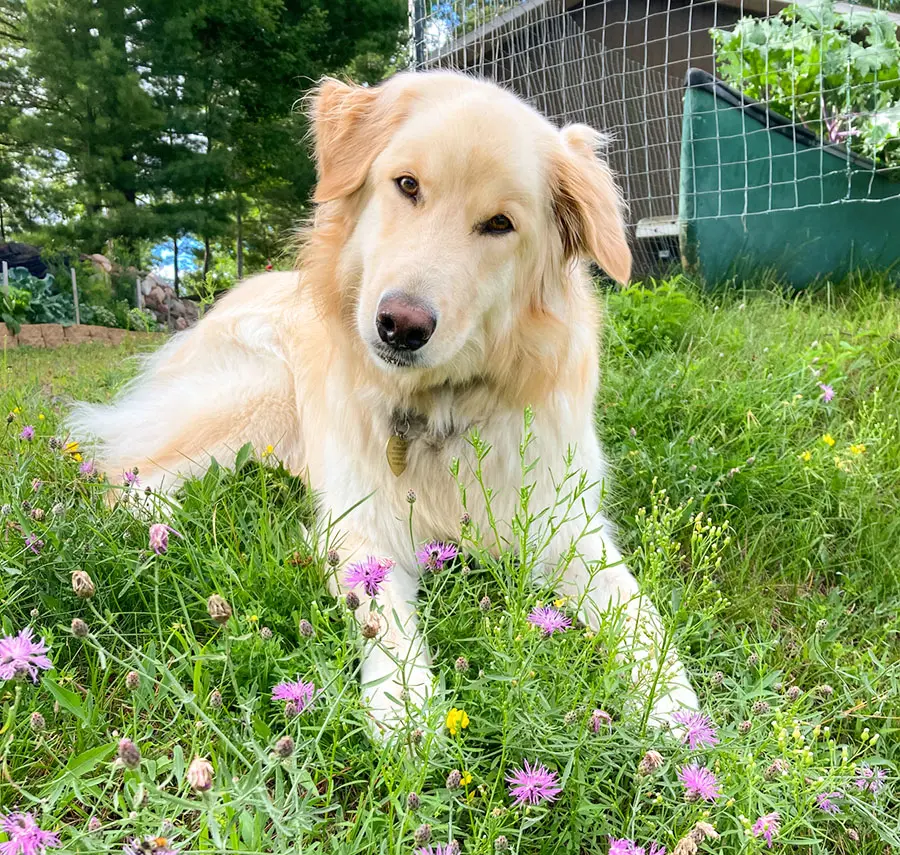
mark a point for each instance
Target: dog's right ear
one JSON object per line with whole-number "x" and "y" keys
{"x": 351, "y": 125}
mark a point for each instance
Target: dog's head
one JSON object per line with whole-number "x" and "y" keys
{"x": 461, "y": 209}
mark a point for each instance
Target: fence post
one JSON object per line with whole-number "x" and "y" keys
{"x": 5, "y": 277}
{"x": 138, "y": 294}
{"x": 75, "y": 298}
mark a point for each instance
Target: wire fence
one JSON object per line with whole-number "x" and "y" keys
{"x": 826, "y": 74}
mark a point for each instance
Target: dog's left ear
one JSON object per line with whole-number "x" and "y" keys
{"x": 350, "y": 125}
{"x": 587, "y": 204}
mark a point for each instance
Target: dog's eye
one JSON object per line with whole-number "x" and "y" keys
{"x": 408, "y": 186}
{"x": 498, "y": 225}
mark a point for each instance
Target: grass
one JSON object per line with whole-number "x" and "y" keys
{"x": 763, "y": 520}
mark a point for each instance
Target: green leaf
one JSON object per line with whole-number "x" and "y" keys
{"x": 68, "y": 700}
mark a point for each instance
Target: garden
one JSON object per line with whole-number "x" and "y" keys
{"x": 180, "y": 680}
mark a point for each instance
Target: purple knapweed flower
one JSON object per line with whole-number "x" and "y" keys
{"x": 549, "y": 619}
{"x": 827, "y": 392}
{"x": 27, "y": 434}
{"x": 130, "y": 479}
{"x": 371, "y": 574}
{"x": 87, "y": 467}
{"x": 599, "y": 719}
{"x": 870, "y": 779}
{"x": 450, "y": 848}
{"x": 159, "y": 537}
{"x": 533, "y": 784}
{"x": 24, "y": 835}
{"x": 298, "y": 693}
{"x": 767, "y": 826}
{"x": 824, "y": 802}
{"x": 698, "y": 729}
{"x": 624, "y": 846}
{"x": 20, "y": 654}
{"x": 34, "y": 543}
{"x": 434, "y": 555}
{"x": 699, "y": 783}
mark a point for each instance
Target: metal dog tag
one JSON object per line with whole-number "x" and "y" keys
{"x": 397, "y": 449}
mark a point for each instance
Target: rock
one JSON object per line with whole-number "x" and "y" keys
{"x": 52, "y": 334}
{"x": 23, "y": 255}
{"x": 77, "y": 334}
{"x": 7, "y": 340}
{"x": 31, "y": 335}
{"x": 100, "y": 261}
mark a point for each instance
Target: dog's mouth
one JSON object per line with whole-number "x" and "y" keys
{"x": 397, "y": 358}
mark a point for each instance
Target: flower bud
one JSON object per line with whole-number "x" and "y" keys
{"x": 79, "y": 628}
{"x": 129, "y": 754}
{"x": 218, "y": 609}
{"x": 83, "y": 585}
{"x": 200, "y": 774}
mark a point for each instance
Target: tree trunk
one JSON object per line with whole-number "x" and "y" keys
{"x": 207, "y": 256}
{"x": 175, "y": 263}
{"x": 240, "y": 241}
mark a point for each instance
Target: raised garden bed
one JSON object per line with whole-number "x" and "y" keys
{"x": 56, "y": 335}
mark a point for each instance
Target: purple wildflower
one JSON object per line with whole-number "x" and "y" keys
{"x": 298, "y": 693}
{"x": 656, "y": 849}
{"x": 434, "y": 555}
{"x": 87, "y": 467}
{"x": 153, "y": 845}
{"x": 599, "y": 718}
{"x": 27, "y": 433}
{"x": 824, "y": 802}
{"x": 698, "y": 729}
{"x": 699, "y": 783}
{"x": 130, "y": 479}
{"x": 159, "y": 537}
{"x": 549, "y": 619}
{"x": 767, "y": 826}
{"x": 371, "y": 574}
{"x": 34, "y": 543}
{"x": 624, "y": 846}
{"x": 20, "y": 655}
{"x": 533, "y": 784}
{"x": 24, "y": 835}
{"x": 827, "y": 392}
{"x": 870, "y": 779}
{"x": 450, "y": 848}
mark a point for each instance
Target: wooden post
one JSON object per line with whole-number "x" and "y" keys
{"x": 5, "y": 278}
{"x": 138, "y": 294}
{"x": 75, "y": 298}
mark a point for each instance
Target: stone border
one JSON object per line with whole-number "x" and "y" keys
{"x": 56, "y": 335}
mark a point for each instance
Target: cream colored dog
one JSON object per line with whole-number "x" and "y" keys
{"x": 442, "y": 287}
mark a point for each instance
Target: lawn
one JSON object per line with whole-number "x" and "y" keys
{"x": 754, "y": 444}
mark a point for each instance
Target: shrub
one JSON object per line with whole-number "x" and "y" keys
{"x": 142, "y": 320}
{"x": 14, "y": 308}
{"x": 98, "y": 315}
{"x": 46, "y": 305}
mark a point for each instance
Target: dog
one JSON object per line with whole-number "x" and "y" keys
{"x": 442, "y": 287}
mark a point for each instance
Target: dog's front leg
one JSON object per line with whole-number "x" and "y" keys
{"x": 396, "y": 675}
{"x": 599, "y": 581}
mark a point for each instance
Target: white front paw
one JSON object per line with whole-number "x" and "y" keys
{"x": 394, "y": 698}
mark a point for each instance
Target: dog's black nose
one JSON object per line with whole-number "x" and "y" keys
{"x": 403, "y": 323}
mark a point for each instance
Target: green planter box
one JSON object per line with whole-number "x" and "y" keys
{"x": 759, "y": 194}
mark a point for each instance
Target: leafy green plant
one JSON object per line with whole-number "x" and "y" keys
{"x": 837, "y": 73}
{"x": 99, "y": 316}
{"x": 650, "y": 317}
{"x": 142, "y": 320}
{"x": 14, "y": 308}
{"x": 46, "y": 305}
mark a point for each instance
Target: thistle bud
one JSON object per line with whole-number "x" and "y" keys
{"x": 129, "y": 754}
{"x": 333, "y": 558}
{"x": 744, "y": 727}
{"x": 485, "y": 604}
{"x": 79, "y": 628}
{"x": 412, "y": 801}
{"x": 37, "y": 722}
{"x": 200, "y": 774}
{"x": 793, "y": 693}
{"x": 462, "y": 665}
{"x": 218, "y": 609}
{"x": 411, "y": 497}
{"x": 284, "y": 747}
{"x": 454, "y": 779}
{"x": 265, "y": 633}
{"x": 83, "y": 585}
{"x": 370, "y": 628}
{"x": 501, "y": 844}
{"x": 650, "y": 762}
{"x": 760, "y": 708}
{"x": 352, "y": 601}
{"x": 132, "y": 681}
{"x": 306, "y": 629}
{"x": 422, "y": 834}
{"x": 215, "y": 699}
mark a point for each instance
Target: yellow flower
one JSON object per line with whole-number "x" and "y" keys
{"x": 17, "y": 410}
{"x": 806, "y": 457}
{"x": 71, "y": 448}
{"x": 77, "y": 457}
{"x": 858, "y": 448}
{"x": 269, "y": 450}
{"x": 41, "y": 417}
{"x": 456, "y": 721}
{"x": 828, "y": 439}
{"x": 560, "y": 602}
{"x": 466, "y": 778}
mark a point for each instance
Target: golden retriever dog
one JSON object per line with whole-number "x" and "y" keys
{"x": 442, "y": 287}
